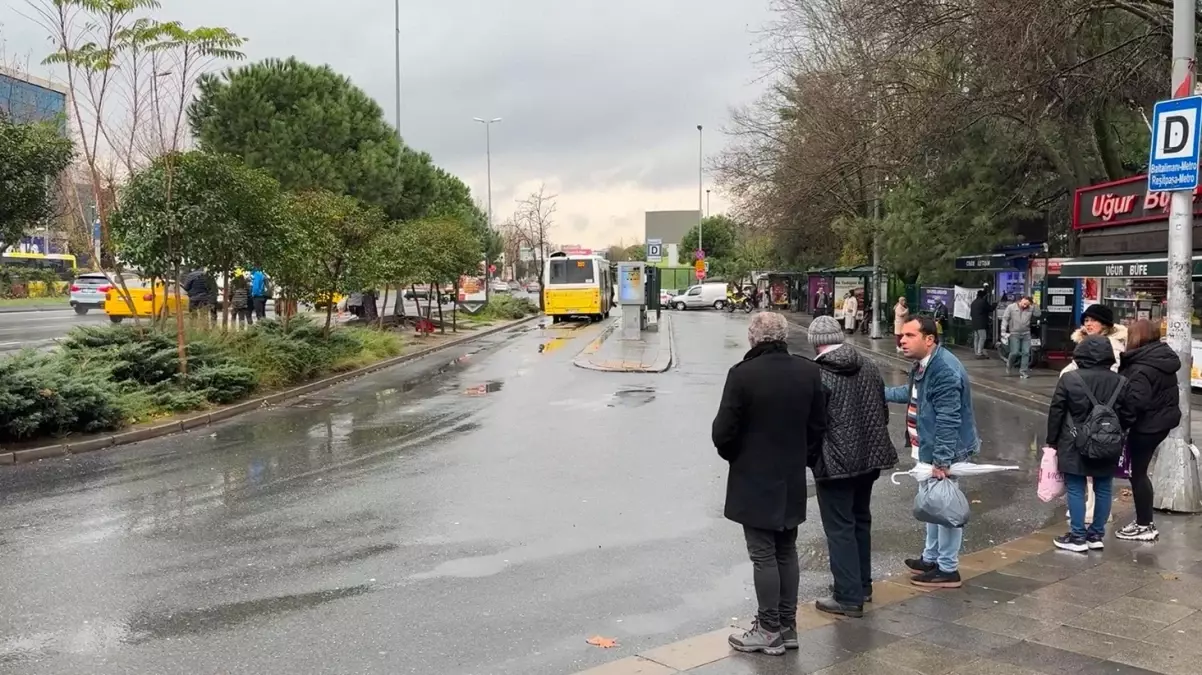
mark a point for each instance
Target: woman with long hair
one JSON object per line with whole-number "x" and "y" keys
{"x": 1150, "y": 367}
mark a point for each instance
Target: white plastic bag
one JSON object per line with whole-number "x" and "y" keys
{"x": 941, "y": 502}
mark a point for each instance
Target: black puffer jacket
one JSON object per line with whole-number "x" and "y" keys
{"x": 857, "y": 433}
{"x": 1093, "y": 356}
{"x": 1151, "y": 372}
{"x": 771, "y": 416}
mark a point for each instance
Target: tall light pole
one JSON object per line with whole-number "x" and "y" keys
{"x": 397, "y": 22}
{"x": 1175, "y": 476}
{"x": 700, "y": 183}
{"x": 488, "y": 159}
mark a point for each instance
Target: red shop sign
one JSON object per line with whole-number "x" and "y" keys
{"x": 1123, "y": 202}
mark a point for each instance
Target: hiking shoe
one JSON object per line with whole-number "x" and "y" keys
{"x": 788, "y": 635}
{"x": 833, "y": 606}
{"x": 1072, "y": 543}
{"x": 867, "y": 593}
{"x": 937, "y": 578}
{"x": 758, "y": 640}
{"x": 1137, "y": 532}
{"x": 1094, "y": 542}
{"x": 919, "y": 566}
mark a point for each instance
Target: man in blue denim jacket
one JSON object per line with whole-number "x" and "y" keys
{"x": 940, "y": 423}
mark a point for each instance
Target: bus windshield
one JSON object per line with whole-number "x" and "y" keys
{"x": 564, "y": 271}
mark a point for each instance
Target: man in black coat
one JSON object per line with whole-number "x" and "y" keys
{"x": 772, "y": 415}
{"x": 980, "y": 311}
{"x": 855, "y": 449}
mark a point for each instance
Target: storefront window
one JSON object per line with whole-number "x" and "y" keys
{"x": 1134, "y": 299}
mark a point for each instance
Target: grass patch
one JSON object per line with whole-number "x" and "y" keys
{"x": 505, "y": 307}
{"x": 106, "y": 377}
{"x": 35, "y": 303}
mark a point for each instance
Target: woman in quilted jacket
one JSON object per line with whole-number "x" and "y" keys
{"x": 855, "y": 449}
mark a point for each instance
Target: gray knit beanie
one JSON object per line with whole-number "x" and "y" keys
{"x": 825, "y": 330}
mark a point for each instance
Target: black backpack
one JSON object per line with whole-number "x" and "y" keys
{"x": 1100, "y": 436}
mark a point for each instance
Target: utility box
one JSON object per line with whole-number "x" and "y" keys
{"x": 632, "y": 287}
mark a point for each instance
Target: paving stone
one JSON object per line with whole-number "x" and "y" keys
{"x": 993, "y": 558}
{"x": 630, "y": 666}
{"x": 1149, "y": 609}
{"x": 921, "y": 657}
{"x": 1158, "y": 659}
{"x": 1081, "y": 641}
{"x": 1043, "y": 659}
{"x": 937, "y": 606}
{"x": 1043, "y": 610}
{"x": 1084, "y": 596}
{"x": 1011, "y": 625}
{"x": 1185, "y": 590}
{"x": 1184, "y": 636}
{"x": 1029, "y": 570}
{"x": 1066, "y": 560}
{"x": 1034, "y": 543}
{"x": 865, "y": 665}
{"x": 990, "y": 667}
{"x": 898, "y": 622}
{"x": 809, "y": 658}
{"x": 887, "y": 593}
{"x": 966, "y": 638}
{"x": 692, "y": 652}
{"x": 1114, "y": 668}
{"x": 1008, "y": 583}
{"x": 1119, "y": 625}
{"x": 852, "y": 636}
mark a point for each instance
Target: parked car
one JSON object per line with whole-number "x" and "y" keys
{"x": 499, "y": 286}
{"x": 711, "y": 294}
{"x": 666, "y": 295}
{"x": 146, "y": 302}
{"x": 534, "y": 288}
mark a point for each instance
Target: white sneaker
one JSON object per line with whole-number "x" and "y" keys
{"x": 1137, "y": 532}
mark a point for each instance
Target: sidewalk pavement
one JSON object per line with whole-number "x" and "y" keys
{"x": 653, "y": 353}
{"x": 1025, "y": 609}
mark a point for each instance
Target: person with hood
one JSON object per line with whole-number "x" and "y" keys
{"x": 855, "y": 449}
{"x": 979, "y": 311}
{"x": 1098, "y": 319}
{"x": 1077, "y": 397}
{"x": 201, "y": 288}
{"x": 240, "y": 302}
{"x": 772, "y": 416}
{"x": 1150, "y": 367}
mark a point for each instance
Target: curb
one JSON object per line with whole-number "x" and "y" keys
{"x": 220, "y": 414}
{"x": 29, "y": 310}
{"x": 583, "y": 359}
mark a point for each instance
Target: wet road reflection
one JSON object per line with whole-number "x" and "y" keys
{"x": 481, "y": 511}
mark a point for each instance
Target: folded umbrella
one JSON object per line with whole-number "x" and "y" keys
{"x": 922, "y": 471}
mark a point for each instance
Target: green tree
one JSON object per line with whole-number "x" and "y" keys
{"x": 32, "y": 155}
{"x": 342, "y": 235}
{"x": 449, "y": 249}
{"x": 718, "y": 235}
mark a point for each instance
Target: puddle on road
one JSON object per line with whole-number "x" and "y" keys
{"x": 311, "y": 403}
{"x": 552, "y": 344}
{"x": 490, "y": 387}
{"x": 632, "y": 397}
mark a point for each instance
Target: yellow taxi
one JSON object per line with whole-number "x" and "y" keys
{"x": 146, "y": 301}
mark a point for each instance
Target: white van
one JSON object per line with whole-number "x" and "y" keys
{"x": 712, "y": 294}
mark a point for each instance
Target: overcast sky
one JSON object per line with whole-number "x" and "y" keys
{"x": 600, "y": 99}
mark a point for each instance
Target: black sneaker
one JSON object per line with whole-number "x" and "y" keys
{"x": 833, "y": 606}
{"x": 937, "y": 578}
{"x": 788, "y": 635}
{"x": 1094, "y": 542}
{"x": 919, "y": 566}
{"x": 867, "y": 592}
{"x": 1072, "y": 543}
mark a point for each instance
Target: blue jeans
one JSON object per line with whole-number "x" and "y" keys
{"x": 1076, "y": 504}
{"x": 943, "y": 546}
{"x": 1019, "y": 346}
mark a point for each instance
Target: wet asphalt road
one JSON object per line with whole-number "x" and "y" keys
{"x": 487, "y": 518}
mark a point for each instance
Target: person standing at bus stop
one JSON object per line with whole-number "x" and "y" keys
{"x": 260, "y": 291}
{"x": 771, "y": 417}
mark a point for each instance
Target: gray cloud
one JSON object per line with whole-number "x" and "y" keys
{"x": 594, "y": 93}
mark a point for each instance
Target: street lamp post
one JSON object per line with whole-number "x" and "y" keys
{"x": 488, "y": 159}
{"x": 707, "y": 203}
{"x": 700, "y": 183}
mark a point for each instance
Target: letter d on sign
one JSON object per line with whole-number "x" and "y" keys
{"x": 1176, "y": 134}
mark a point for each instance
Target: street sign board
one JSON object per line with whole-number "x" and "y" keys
{"x": 699, "y": 254}
{"x": 655, "y": 250}
{"x": 699, "y": 265}
{"x": 700, "y": 274}
{"x": 1173, "y": 161}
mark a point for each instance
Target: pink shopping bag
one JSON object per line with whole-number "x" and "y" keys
{"x": 1051, "y": 483}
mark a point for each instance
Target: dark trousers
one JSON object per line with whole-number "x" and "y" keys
{"x": 845, "y": 506}
{"x": 777, "y": 575}
{"x": 260, "y": 306}
{"x": 1142, "y": 447}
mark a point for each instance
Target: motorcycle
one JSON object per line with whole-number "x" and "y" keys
{"x": 740, "y": 302}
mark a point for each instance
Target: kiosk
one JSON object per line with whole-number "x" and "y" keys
{"x": 632, "y": 298}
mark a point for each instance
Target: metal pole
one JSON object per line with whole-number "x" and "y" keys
{"x": 488, "y": 170}
{"x": 707, "y": 203}
{"x": 700, "y": 183}
{"x": 1175, "y": 474}
{"x": 875, "y": 324}
{"x": 398, "y": 77}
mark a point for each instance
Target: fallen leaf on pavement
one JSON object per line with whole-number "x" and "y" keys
{"x": 602, "y": 642}
{"x": 1169, "y": 576}
{"x": 976, "y": 501}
